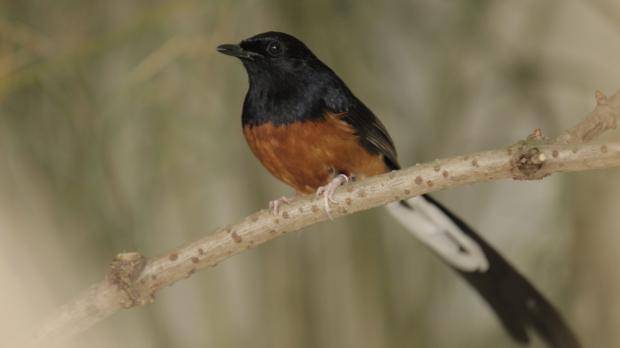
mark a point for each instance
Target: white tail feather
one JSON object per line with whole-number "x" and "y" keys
{"x": 433, "y": 228}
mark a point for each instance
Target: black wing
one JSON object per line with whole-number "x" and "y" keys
{"x": 337, "y": 98}
{"x": 372, "y": 133}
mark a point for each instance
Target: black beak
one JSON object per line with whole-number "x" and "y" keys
{"x": 237, "y": 51}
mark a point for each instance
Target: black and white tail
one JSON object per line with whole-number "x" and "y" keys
{"x": 517, "y": 304}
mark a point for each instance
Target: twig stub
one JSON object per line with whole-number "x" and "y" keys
{"x": 124, "y": 270}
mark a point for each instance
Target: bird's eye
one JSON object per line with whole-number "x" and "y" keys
{"x": 274, "y": 48}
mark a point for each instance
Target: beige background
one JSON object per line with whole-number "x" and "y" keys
{"x": 120, "y": 131}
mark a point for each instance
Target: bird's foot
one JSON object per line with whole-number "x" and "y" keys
{"x": 275, "y": 205}
{"x": 327, "y": 191}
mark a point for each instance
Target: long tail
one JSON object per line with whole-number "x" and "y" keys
{"x": 516, "y": 302}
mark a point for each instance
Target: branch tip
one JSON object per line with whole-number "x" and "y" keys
{"x": 601, "y": 98}
{"x": 536, "y": 135}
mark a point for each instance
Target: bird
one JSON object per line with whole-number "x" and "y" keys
{"x": 310, "y": 131}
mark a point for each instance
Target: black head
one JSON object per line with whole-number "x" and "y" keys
{"x": 287, "y": 81}
{"x": 271, "y": 52}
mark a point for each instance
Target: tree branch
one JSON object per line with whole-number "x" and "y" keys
{"x": 602, "y": 118}
{"x": 133, "y": 280}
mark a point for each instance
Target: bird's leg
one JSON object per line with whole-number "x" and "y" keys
{"x": 274, "y": 205}
{"x": 328, "y": 190}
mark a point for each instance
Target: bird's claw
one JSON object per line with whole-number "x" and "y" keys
{"x": 327, "y": 191}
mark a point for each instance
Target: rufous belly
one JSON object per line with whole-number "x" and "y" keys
{"x": 306, "y": 155}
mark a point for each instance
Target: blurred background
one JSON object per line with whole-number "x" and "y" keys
{"x": 120, "y": 131}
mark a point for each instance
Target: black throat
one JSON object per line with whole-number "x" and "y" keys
{"x": 303, "y": 92}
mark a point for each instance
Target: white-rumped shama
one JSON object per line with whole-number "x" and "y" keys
{"x": 308, "y": 129}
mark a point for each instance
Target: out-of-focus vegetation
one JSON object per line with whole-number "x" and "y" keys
{"x": 120, "y": 131}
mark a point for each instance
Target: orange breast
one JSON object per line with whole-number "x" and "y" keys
{"x": 306, "y": 155}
